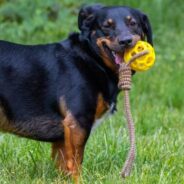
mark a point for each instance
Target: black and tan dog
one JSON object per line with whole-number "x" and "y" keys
{"x": 55, "y": 92}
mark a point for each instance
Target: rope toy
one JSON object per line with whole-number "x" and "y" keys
{"x": 139, "y": 58}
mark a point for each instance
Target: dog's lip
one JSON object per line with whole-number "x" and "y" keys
{"x": 115, "y": 56}
{"x": 108, "y": 52}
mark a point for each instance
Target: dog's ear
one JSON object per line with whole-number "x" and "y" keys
{"x": 87, "y": 16}
{"x": 146, "y": 26}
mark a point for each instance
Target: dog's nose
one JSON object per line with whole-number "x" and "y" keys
{"x": 126, "y": 41}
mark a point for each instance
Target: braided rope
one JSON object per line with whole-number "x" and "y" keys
{"x": 125, "y": 74}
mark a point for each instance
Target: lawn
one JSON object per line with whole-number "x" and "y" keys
{"x": 157, "y": 100}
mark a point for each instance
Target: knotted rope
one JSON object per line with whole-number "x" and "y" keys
{"x": 125, "y": 74}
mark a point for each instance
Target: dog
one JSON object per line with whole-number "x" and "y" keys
{"x": 56, "y": 92}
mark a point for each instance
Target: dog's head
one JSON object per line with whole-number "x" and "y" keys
{"x": 110, "y": 30}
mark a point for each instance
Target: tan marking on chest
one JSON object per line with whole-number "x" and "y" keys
{"x": 102, "y": 107}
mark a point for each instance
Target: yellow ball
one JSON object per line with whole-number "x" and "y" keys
{"x": 144, "y": 62}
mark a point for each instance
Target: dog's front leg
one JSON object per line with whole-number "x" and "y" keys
{"x": 69, "y": 153}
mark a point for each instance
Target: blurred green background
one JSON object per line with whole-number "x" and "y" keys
{"x": 157, "y": 99}
{"x": 35, "y": 21}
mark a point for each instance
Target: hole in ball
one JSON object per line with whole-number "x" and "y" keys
{"x": 133, "y": 53}
{"x": 139, "y": 48}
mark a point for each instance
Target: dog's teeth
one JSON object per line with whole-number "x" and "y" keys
{"x": 114, "y": 54}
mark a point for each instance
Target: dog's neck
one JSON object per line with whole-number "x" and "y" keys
{"x": 89, "y": 54}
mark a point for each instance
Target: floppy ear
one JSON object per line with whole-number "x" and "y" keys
{"x": 146, "y": 26}
{"x": 87, "y": 16}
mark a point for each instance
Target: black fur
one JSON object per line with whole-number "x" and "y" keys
{"x": 34, "y": 78}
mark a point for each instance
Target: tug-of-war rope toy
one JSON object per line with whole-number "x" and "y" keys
{"x": 139, "y": 58}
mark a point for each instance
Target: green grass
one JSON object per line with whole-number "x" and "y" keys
{"x": 156, "y": 98}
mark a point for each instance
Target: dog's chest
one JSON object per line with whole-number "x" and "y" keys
{"x": 100, "y": 120}
{"x": 103, "y": 109}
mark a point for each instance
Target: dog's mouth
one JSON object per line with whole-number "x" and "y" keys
{"x": 115, "y": 56}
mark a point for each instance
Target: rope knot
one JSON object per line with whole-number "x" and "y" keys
{"x": 125, "y": 74}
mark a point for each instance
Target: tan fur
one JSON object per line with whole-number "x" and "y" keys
{"x": 69, "y": 153}
{"x": 104, "y": 55}
{"x": 5, "y": 125}
{"x": 101, "y": 107}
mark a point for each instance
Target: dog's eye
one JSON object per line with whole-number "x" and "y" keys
{"x": 133, "y": 23}
{"x": 108, "y": 24}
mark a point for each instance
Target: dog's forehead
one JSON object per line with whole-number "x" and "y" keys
{"x": 114, "y": 13}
